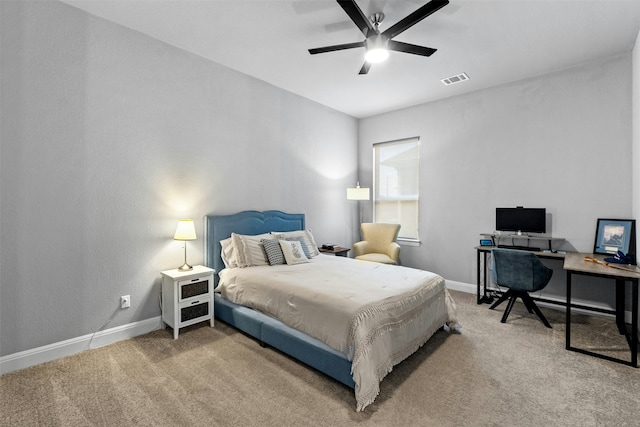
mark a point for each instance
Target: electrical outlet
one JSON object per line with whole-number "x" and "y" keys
{"x": 125, "y": 301}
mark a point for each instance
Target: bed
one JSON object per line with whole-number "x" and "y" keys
{"x": 311, "y": 308}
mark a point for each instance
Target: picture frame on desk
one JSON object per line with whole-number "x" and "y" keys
{"x": 613, "y": 235}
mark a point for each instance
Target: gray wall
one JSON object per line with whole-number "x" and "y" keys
{"x": 109, "y": 137}
{"x": 561, "y": 141}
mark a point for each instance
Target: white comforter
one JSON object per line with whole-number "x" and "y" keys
{"x": 376, "y": 314}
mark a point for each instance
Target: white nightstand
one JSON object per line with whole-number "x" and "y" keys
{"x": 187, "y": 297}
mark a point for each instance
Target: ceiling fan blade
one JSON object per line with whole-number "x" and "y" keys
{"x": 358, "y": 18}
{"x": 411, "y": 48}
{"x": 365, "y": 68}
{"x": 415, "y": 17}
{"x": 333, "y": 48}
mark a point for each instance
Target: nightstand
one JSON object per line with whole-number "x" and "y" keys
{"x": 337, "y": 251}
{"x": 187, "y": 297}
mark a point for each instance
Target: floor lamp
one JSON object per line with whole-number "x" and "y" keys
{"x": 358, "y": 194}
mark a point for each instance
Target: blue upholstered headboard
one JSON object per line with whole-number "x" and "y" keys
{"x": 220, "y": 227}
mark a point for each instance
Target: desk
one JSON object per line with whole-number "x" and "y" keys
{"x": 574, "y": 263}
{"x": 484, "y": 250}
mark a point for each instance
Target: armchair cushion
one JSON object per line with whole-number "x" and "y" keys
{"x": 380, "y": 258}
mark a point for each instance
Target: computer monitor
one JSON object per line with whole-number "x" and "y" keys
{"x": 526, "y": 220}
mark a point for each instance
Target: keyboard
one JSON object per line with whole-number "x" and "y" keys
{"x": 520, "y": 248}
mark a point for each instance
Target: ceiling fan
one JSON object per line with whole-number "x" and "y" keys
{"x": 379, "y": 43}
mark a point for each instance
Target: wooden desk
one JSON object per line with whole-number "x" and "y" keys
{"x": 574, "y": 263}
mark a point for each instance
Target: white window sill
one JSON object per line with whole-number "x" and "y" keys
{"x": 408, "y": 242}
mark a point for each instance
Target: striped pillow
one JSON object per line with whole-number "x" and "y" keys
{"x": 305, "y": 234}
{"x": 249, "y": 251}
{"x": 273, "y": 250}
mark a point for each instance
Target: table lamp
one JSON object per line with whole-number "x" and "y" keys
{"x": 185, "y": 231}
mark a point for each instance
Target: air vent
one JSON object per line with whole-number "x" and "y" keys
{"x": 455, "y": 79}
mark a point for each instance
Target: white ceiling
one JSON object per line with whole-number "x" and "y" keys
{"x": 493, "y": 41}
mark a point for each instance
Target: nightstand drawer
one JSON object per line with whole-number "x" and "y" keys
{"x": 194, "y": 287}
{"x": 195, "y": 311}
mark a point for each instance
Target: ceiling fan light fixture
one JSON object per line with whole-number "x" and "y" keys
{"x": 377, "y": 55}
{"x": 376, "y": 49}
{"x": 379, "y": 43}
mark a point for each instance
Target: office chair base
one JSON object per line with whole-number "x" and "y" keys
{"x": 526, "y": 299}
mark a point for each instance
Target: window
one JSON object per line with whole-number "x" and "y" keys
{"x": 396, "y": 185}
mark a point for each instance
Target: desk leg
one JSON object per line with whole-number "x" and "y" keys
{"x": 620, "y": 306}
{"x": 634, "y": 324}
{"x": 568, "y": 313}
{"x": 478, "y": 275}
{"x": 484, "y": 272}
{"x": 484, "y": 298}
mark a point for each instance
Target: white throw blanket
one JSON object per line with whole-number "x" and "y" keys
{"x": 376, "y": 314}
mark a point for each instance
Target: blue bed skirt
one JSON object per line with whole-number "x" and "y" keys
{"x": 271, "y": 332}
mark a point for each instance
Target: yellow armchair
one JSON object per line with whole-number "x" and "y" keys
{"x": 378, "y": 243}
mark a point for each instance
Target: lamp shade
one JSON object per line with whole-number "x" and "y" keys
{"x": 357, "y": 193}
{"x": 186, "y": 230}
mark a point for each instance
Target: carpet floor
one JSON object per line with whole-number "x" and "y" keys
{"x": 485, "y": 374}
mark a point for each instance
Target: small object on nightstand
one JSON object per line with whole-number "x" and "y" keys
{"x": 335, "y": 250}
{"x": 187, "y": 297}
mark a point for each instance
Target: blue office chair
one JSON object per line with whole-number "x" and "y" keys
{"x": 521, "y": 272}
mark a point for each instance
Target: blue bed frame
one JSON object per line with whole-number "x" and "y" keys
{"x": 264, "y": 328}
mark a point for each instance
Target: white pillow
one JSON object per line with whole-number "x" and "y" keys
{"x": 228, "y": 253}
{"x": 293, "y": 253}
{"x": 249, "y": 250}
{"x": 307, "y": 236}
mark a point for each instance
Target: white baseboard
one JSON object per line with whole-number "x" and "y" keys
{"x": 461, "y": 286}
{"x": 47, "y": 353}
{"x": 473, "y": 289}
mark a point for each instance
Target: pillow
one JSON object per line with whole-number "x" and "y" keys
{"x": 228, "y": 253}
{"x": 305, "y": 234}
{"x": 293, "y": 252}
{"x": 273, "y": 250}
{"x": 249, "y": 250}
{"x": 305, "y": 248}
